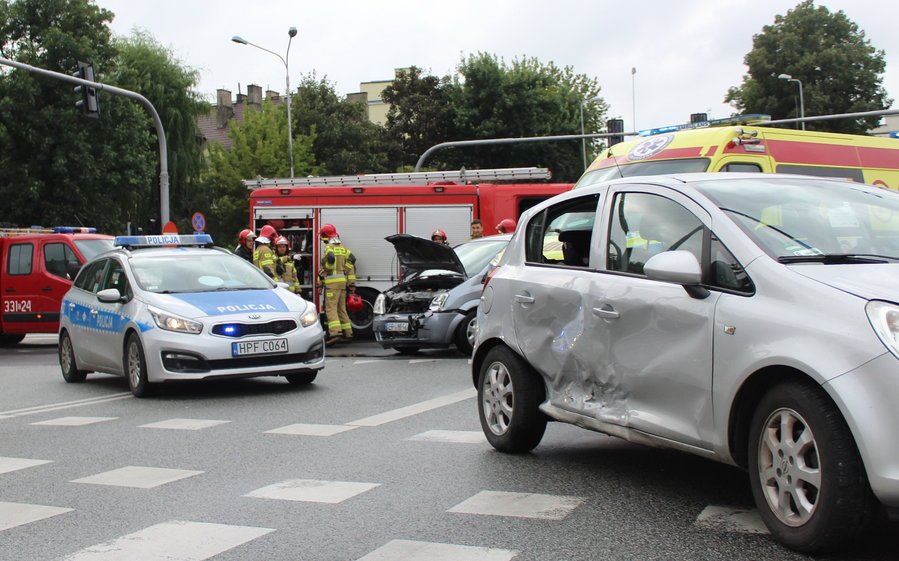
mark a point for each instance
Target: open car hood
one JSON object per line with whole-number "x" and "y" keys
{"x": 418, "y": 254}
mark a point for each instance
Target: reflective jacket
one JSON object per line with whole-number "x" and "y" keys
{"x": 286, "y": 272}
{"x": 264, "y": 258}
{"x": 338, "y": 264}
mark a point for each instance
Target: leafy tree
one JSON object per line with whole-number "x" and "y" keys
{"x": 345, "y": 141}
{"x": 421, "y": 115}
{"x": 841, "y": 72}
{"x": 259, "y": 149}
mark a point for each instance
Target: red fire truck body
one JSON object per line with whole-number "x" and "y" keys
{"x": 366, "y": 209}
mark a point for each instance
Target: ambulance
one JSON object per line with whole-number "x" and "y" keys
{"x": 37, "y": 266}
{"x": 744, "y": 144}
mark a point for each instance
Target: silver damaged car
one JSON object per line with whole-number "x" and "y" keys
{"x": 751, "y": 319}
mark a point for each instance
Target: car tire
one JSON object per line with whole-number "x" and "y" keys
{"x": 136, "y": 367}
{"x": 67, "y": 364}
{"x": 301, "y": 378}
{"x": 833, "y": 502}
{"x": 7, "y": 340}
{"x": 465, "y": 333}
{"x": 509, "y": 395}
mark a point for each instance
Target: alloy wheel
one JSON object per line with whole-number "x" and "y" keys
{"x": 499, "y": 398}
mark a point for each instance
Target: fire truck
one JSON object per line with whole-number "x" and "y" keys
{"x": 37, "y": 266}
{"x": 365, "y": 209}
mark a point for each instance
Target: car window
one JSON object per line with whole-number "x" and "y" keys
{"x": 115, "y": 278}
{"x": 196, "y": 272}
{"x": 643, "y": 225}
{"x": 92, "y": 248}
{"x": 19, "y": 260}
{"x": 725, "y": 271}
{"x": 91, "y": 277}
{"x": 478, "y": 254}
{"x": 59, "y": 259}
{"x": 655, "y": 167}
{"x": 562, "y": 234}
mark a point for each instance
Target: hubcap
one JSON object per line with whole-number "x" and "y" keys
{"x": 471, "y": 331}
{"x": 133, "y": 365}
{"x": 67, "y": 358}
{"x": 499, "y": 398}
{"x": 789, "y": 469}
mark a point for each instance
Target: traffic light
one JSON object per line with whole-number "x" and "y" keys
{"x": 615, "y": 125}
{"x": 89, "y": 104}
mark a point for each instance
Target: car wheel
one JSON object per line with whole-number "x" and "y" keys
{"x": 301, "y": 378}
{"x": 136, "y": 367}
{"x": 70, "y": 372}
{"x": 807, "y": 478}
{"x": 10, "y": 340}
{"x": 509, "y": 394}
{"x": 466, "y": 333}
{"x": 363, "y": 319}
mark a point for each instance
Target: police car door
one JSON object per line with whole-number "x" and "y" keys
{"x": 111, "y": 319}
{"x": 80, "y": 310}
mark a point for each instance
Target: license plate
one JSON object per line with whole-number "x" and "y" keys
{"x": 397, "y": 326}
{"x": 263, "y": 347}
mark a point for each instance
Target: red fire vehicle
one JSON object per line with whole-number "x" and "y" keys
{"x": 37, "y": 266}
{"x": 365, "y": 209}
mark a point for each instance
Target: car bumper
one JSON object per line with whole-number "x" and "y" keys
{"x": 868, "y": 396}
{"x": 175, "y": 356}
{"x": 430, "y": 329}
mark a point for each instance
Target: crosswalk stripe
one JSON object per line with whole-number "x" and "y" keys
{"x": 408, "y": 550}
{"x": 415, "y": 409}
{"x": 17, "y": 514}
{"x": 63, "y": 405}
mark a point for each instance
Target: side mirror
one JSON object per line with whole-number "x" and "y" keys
{"x": 679, "y": 267}
{"x": 109, "y": 296}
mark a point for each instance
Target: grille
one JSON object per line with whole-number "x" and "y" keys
{"x": 241, "y": 329}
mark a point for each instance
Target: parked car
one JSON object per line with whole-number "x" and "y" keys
{"x": 436, "y": 303}
{"x": 751, "y": 319}
{"x": 163, "y": 308}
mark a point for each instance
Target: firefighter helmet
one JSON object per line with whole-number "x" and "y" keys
{"x": 438, "y": 233}
{"x": 506, "y": 226}
{"x": 244, "y": 234}
{"x": 269, "y": 232}
{"x": 328, "y": 231}
{"x": 354, "y": 303}
{"x": 263, "y": 240}
{"x": 282, "y": 241}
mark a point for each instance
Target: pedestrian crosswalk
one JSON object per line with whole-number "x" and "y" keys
{"x": 197, "y": 540}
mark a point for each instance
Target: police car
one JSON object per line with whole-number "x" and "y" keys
{"x": 163, "y": 308}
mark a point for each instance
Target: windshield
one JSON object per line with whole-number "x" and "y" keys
{"x": 793, "y": 218}
{"x": 477, "y": 255}
{"x": 196, "y": 272}
{"x": 658, "y": 167}
{"x": 92, "y": 248}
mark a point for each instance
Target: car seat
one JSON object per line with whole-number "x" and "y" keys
{"x": 576, "y": 247}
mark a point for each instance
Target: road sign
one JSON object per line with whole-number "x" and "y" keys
{"x": 199, "y": 222}
{"x": 169, "y": 228}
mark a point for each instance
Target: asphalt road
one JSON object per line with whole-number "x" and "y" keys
{"x": 380, "y": 459}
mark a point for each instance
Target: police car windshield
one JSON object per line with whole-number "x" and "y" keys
{"x": 658, "y": 167}
{"x": 196, "y": 272}
{"x": 92, "y": 248}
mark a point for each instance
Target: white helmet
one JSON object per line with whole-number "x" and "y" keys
{"x": 263, "y": 239}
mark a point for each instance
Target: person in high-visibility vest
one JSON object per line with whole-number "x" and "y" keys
{"x": 338, "y": 275}
{"x": 285, "y": 269}
{"x": 263, "y": 256}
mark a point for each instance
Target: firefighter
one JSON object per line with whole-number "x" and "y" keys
{"x": 246, "y": 244}
{"x": 477, "y": 229}
{"x": 285, "y": 268}
{"x": 439, "y": 236}
{"x": 506, "y": 226}
{"x": 263, "y": 256}
{"x": 338, "y": 275}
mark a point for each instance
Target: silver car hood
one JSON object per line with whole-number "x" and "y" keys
{"x": 875, "y": 281}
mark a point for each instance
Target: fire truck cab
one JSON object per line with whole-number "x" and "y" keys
{"x": 37, "y": 266}
{"x": 366, "y": 209}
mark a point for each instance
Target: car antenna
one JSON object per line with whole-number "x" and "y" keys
{"x": 614, "y": 159}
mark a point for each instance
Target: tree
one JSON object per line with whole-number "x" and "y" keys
{"x": 259, "y": 149}
{"x": 345, "y": 141}
{"x": 840, "y": 71}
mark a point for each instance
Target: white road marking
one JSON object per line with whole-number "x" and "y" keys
{"x": 415, "y": 409}
{"x": 420, "y": 360}
{"x": 301, "y": 429}
{"x": 12, "y": 464}
{"x": 454, "y": 436}
{"x": 175, "y": 540}
{"x": 16, "y": 514}
{"x": 520, "y": 505}
{"x": 138, "y": 476}
{"x": 184, "y": 424}
{"x": 74, "y": 421}
{"x": 63, "y": 405}
{"x": 407, "y": 550}
{"x": 731, "y": 520}
{"x": 365, "y": 362}
{"x": 311, "y": 490}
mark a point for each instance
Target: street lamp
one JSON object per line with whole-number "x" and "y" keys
{"x": 584, "y": 140}
{"x": 292, "y": 32}
{"x": 789, "y": 78}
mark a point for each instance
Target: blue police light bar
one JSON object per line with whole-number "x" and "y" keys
{"x": 748, "y": 119}
{"x": 73, "y": 230}
{"x": 164, "y": 240}
{"x": 894, "y": 134}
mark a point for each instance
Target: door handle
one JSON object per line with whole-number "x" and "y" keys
{"x": 605, "y": 313}
{"x": 47, "y": 289}
{"x": 10, "y": 289}
{"x": 522, "y": 299}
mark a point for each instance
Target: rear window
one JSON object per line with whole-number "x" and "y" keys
{"x": 19, "y": 261}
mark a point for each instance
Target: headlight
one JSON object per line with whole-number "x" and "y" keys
{"x": 174, "y": 323}
{"x": 380, "y": 304}
{"x": 884, "y": 318}
{"x": 310, "y": 316}
{"x": 438, "y": 302}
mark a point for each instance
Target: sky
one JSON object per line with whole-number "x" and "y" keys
{"x": 686, "y": 53}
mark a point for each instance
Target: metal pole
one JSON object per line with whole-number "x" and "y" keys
{"x": 801, "y": 102}
{"x": 157, "y": 122}
{"x": 634, "y": 96}
{"x": 583, "y": 140}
